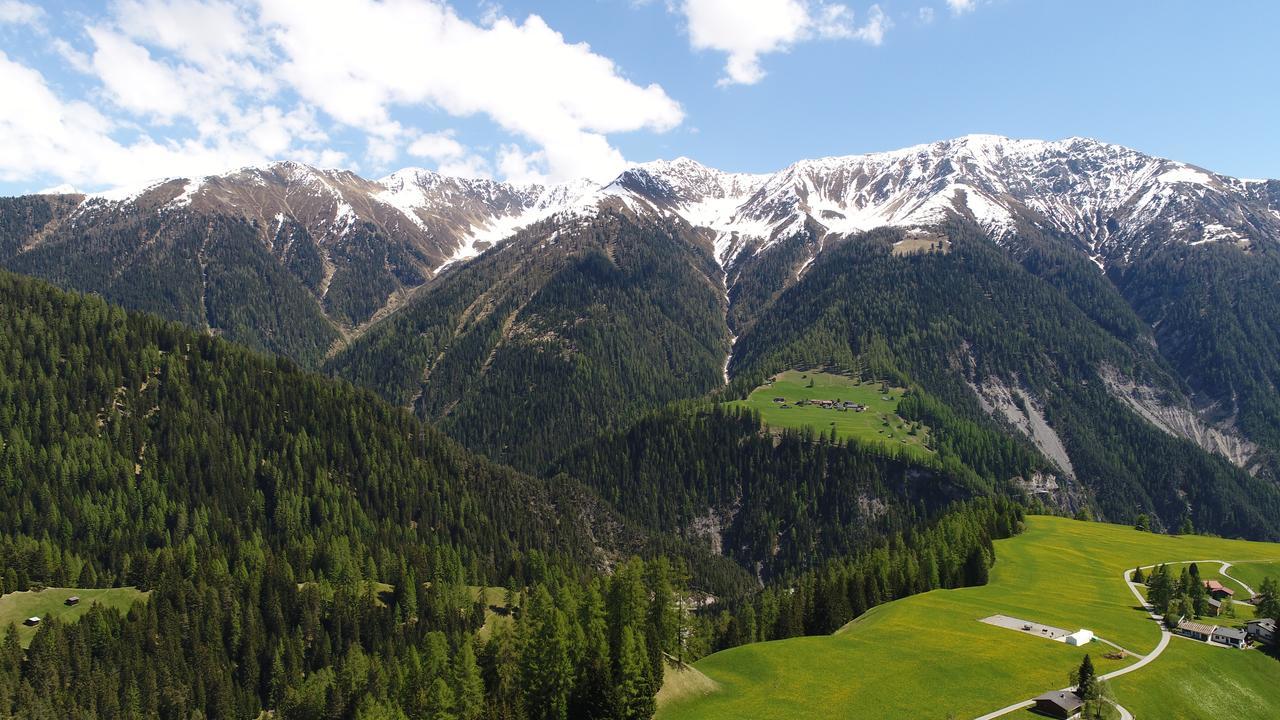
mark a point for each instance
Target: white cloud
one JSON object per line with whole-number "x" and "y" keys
{"x": 271, "y": 79}
{"x": 748, "y": 29}
{"x": 524, "y": 76}
{"x": 926, "y": 15}
{"x": 20, "y": 13}
{"x": 437, "y": 146}
{"x": 72, "y": 141}
{"x": 960, "y": 7}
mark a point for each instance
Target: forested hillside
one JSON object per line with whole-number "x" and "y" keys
{"x": 973, "y": 326}
{"x": 206, "y": 271}
{"x": 261, "y": 506}
{"x": 562, "y": 333}
{"x": 776, "y": 505}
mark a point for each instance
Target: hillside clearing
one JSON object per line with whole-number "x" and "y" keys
{"x": 51, "y": 603}
{"x": 798, "y": 399}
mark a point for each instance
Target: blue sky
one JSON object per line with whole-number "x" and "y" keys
{"x": 102, "y": 94}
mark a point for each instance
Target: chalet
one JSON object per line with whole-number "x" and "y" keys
{"x": 1194, "y": 630}
{"x": 31, "y": 621}
{"x": 1215, "y": 607}
{"x": 1263, "y": 630}
{"x": 1232, "y": 637}
{"x": 1059, "y": 703}
{"x": 73, "y": 600}
{"x": 1217, "y": 590}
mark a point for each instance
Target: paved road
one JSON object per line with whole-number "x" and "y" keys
{"x": 1223, "y": 572}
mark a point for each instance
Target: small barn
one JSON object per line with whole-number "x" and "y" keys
{"x": 1059, "y": 703}
{"x": 73, "y": 600}
{"x": 1194, "y": 630}
{"x": 1231, "y": 637}
{"x": 31, "y": 621}
{"x": 1217, "y": 590}
{"x": 1215, "y": 607}
{"x": 1079, "y": 637}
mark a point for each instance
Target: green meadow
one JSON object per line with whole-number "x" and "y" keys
{"x": 929, "y": 656}
{"x": 51, "y": 602}
{"x": 879, "y": 424}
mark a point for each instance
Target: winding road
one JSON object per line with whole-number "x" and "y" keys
{"x": 1150, "y": 657}
{"x": 1223, "y": 572}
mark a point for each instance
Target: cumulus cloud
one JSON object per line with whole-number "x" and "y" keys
{"x": 525, "y": 76}
{"x": 747, "y": 29}
{"x": 274, "y": 78}
{"x": 19, "y": 13}
{"x": 73, "y": 142}
{"x": 960, "y": 7}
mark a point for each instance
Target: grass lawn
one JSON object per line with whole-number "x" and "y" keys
{"x": 1192, "y": 680}
{"x": 878, "y": 424}
{"x": 51, "y": 602}
{"x": 1253, "y": 573}
{"x": 928, "y": 656}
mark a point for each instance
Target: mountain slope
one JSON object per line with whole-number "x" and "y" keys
{"x": 566, "y": 330}
{"x": 977, "y": 331}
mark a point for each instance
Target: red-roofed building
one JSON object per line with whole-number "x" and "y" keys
{"x": 1217, "y": 590}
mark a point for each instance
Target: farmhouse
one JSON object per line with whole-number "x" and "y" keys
{"x": 1217, "y": 590}
{"x": 1232, "y": 637}
{"x": 1059, "y": 703}
{"x": 1079, "y": 637}
{"x": 31, "y": 621}
{"x": 1194, "y": 630}
{"x": 1263, "y": 630}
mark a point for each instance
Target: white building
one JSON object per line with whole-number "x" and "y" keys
{"x": 1079, "y": 637}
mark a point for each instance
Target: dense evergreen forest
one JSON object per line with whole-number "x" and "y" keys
{"x": 775, "y": 504}
{"x": 310, "y": 550}
{"x": 540, "y": 343}
{"x": 1214, "y": 309}
{"x": 946, "y": 321}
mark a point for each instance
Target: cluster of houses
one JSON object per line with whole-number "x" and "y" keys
{"x": 826, "y": 404}
{"x": 1254, "y": 631}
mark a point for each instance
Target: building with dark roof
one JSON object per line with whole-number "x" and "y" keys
{"x": 1059, "y": 703}
{"x": 1263, "y": 630}
{"x": 1233, "y": 637}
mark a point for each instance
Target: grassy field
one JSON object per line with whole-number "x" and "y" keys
{"x": 878, "y": 424}
{"x": 1253, "y": 574}
{"x": 51, "y": 602}
{"x": 1193, "y": 680}
{"x": 928, "y": 656}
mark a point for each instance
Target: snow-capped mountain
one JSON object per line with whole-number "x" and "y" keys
{"x": 1111, "y": 200}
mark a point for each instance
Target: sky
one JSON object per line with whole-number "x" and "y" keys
{"x": 100, "y": 95}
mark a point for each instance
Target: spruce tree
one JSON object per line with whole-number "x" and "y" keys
{"x": 546, "y": 668}
{"x": 468, "y": 686}
{"x": 1086, "y": 679}
{"x": 633, "y": 691}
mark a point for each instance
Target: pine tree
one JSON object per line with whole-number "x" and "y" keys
{"x": 546, "y": 666}
{"x": 1138, "y": 577}
{"x": 468, "y": 685}
{"x": 633, "y": 691}
{"x": 1086, "y": 680}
